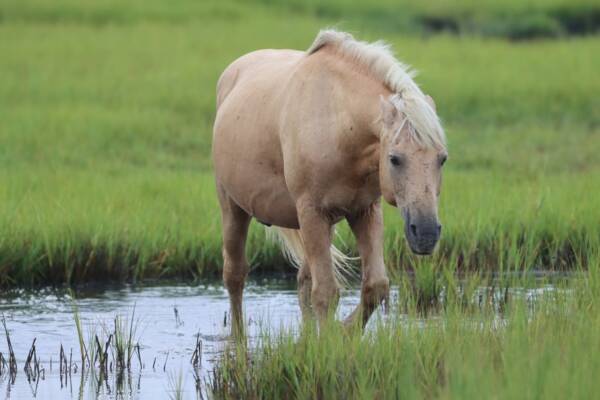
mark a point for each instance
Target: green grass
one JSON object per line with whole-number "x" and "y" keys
{"x": 467, "y": 348}
{"x": 512, "y": 19}
{"x": 107, "y": 108}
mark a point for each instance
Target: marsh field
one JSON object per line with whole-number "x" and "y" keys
{"x": 106, "y": 112}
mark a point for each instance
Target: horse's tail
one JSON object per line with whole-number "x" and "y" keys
{"x": 293, "y": 249}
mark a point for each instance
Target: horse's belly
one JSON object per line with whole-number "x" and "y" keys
{"x": 264, "y": 196}
{"x": 251, "y": 173}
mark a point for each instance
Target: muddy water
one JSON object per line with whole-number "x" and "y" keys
{"x": 167, "y": 340}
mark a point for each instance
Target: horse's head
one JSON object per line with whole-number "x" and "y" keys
{"x": 410, "y": 167}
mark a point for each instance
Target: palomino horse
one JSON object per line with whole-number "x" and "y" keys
{"x": 305, "y": 139}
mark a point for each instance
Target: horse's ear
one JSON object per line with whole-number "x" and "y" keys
{"x": 430, "y": 101}
{"x": 389, "y": 112}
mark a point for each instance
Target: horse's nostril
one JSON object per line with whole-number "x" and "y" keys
{"x": 413, "y": 229}
{"x": 439, "y": 229}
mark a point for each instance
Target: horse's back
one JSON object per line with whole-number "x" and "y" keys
{"x": 247, "y": 154}
{"x": 260, "y": 70}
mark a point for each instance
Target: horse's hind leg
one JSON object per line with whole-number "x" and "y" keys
{"x": 235, "y": 223}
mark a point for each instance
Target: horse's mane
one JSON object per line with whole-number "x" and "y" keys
{"x": 378, "y": 58}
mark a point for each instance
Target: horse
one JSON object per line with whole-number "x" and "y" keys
{"x": 304, "y": 139}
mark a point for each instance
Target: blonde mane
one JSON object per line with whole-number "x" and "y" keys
{"x": 378, "y": 58}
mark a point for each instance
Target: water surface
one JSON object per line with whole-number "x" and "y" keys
{"x": 170, "y": 319}
{"x": 167, "y": 339}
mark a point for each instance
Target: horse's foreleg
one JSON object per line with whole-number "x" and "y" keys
{"x": 235, "y": 223}
{"x": 368, "y": 229}
{"x": 304, "y": 289}
{"x": 316, "y": 235}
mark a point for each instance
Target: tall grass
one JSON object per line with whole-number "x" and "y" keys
{"x": 152, "y": 240}
{"x": 534, "y": 347}
{"x": 125, "y": 342}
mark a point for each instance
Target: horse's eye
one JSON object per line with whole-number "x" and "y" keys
{"x": 395, "y": 160}
{"x": 443, "y": 160}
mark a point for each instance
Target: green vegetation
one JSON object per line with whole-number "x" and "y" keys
{"x": 511, "y": 19}
{"x": 475, "y": 345}
{"x": 107, "y": 108}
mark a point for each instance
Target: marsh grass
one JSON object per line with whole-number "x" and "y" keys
{"x": 175, "y": 385}
{"x": 109, "y": 347}
{"x": 9, "y": 366}
{"x": 83, "y": 349}
{"x": 125, "y": 340}
{"x": 541, "y": 343}
{"x": 146, "y": 242}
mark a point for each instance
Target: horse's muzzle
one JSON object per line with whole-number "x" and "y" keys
{"x": 422, "y": 233}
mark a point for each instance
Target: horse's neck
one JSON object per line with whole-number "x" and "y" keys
{"x": 361, "y": 100}
{"x": 355, "y": 116}
{"x": 356, "y": 87}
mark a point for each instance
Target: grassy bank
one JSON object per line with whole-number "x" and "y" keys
{"x": 80, "y": 227}
{"x": 106, "y": 127}
{"x": 541, "y": 345}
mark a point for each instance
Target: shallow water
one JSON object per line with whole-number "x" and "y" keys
{"x": 167, "y": 338}
{"x": 166, "y": 342}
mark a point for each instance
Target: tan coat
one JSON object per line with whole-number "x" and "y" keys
{"x": 303, "y": 140}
